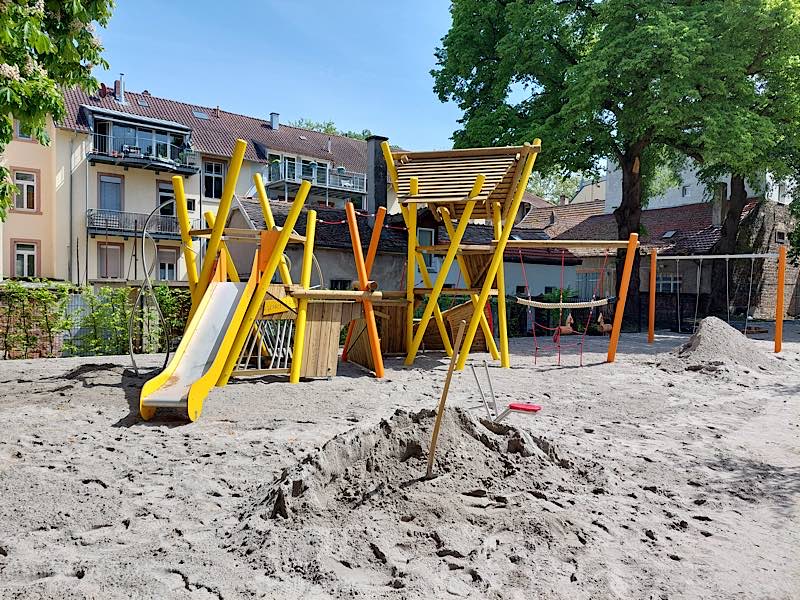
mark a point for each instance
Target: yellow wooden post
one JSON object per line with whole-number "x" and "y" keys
{"x": 256, "y": 303}
{"x": 437, "y": 312}
{"x": 182, "y": 211}
{"x": 779, "y": 299}
{"x": 302, "y": 303}
{"x": 391, "y": 170}
{"x": 502, "y": 322}
{"x": 269, "y": 221}
{"x": 651, "y": 307}
{"x": 630, "y": 255}
{"x": 487, "y": 331}
{"x": 233, "y": 274}
{"x": 442, "y": 276}
{"x": 411, "y": 225}
{"x": 497, "y": 258}
{"x": 222, "y": 216}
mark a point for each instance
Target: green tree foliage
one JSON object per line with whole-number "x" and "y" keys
{"x": 552, "y": 187}
{"x": 625, "y": 81}
{"x": 330, "y": 128}
{"x": 44, "y": 44}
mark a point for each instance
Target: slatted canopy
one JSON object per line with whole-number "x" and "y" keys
{"x": 447, "y": 176}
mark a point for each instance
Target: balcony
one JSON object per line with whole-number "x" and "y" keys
{"x": 126, "y": 152}
{"x": 334, "y": 183}
{"x": 100, "y": 221}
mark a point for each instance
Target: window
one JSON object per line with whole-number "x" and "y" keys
{"x": 213, "y": 174}
{"x": 109, "y": 195}
{"x": 24, "y": 259}
{"x": 25, "y": 198}
{"x": 190, "y": 205}
{"x": 21, "y": 132}
{"x": 274, "y": 172}
{"x": 167, "y": 264}
{"x": 684, "y": 191}
{"x": 666, "y": 284}
{"x": 521, "y": 290}
{"x": 668, "y": 234}
{"x": 587, "y": 284}
{"x": 780, "y": 237}
{"x": 289, "y": 168}
{"x": 341, "y": 284}
{"x": 109, "y": 260}
{"x": 425, "y": 237}
{"x": 165, "y": 194}
{"x": 200, "y": 114}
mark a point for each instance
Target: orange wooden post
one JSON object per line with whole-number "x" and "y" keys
{"x": 630, "y": 255}
{"x": 779, "y": 299}
{"x": 651, "y": 307}
{"x": 377, "y": 229}
{"x": 363, "y": 281}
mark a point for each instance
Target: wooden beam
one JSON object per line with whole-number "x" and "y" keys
{"x": 565, "y": 244}
{"x": 464, "y": 152}
{"x": 343, "y": 295}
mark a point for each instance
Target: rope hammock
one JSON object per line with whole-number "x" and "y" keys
{"x": 595, "y": 302}
{"x": 588, "y": 304}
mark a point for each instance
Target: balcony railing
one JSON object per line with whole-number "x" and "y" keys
{"x": 320, "y": 176}
{"x": 151, "y": 154}
{"x": 100, "y": 220}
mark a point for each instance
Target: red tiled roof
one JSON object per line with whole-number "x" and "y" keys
{"x": 693, "y": 225}
{"x": 217, "y": 134}
{"x": 555, "y": 219}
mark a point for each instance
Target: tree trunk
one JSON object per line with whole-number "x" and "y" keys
{"x": 628, "y": 217}
{"x": 726, "y": 245}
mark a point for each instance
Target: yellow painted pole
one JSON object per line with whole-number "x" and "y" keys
{"x": 487, "y": 331}
{"x": 390, "y": 168}
{"x": 182, "y": 211}
{"x": 269, "y": 220}
{"x": 502, "y": 322}
{"x": 255, "y": 306}
{"x": 302, "y": 303}
{"x": 437, "y": 312}
{"x": 233, "y": 274}
{"x": 377, "y": 229}
{"x": 630, "y": 255}
{"x": 651, "y": 307}
{"x": 222, "y": 216}
{"x": 411, "y": 226}
{"x": 497, "y": 258}
{"x": 779, "y": 299}
{"x": 433, "y": 297}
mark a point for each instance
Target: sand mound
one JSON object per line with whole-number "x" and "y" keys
{"x": 718, "y": 347}
{"x": 355, "y": 520}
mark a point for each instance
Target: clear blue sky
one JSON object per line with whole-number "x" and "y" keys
{"x": 363, "y": 64}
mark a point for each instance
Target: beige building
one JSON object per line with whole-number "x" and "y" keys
{"x": 84, "y": 200}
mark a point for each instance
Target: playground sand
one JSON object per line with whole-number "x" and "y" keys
{"x": 648, "y": 478}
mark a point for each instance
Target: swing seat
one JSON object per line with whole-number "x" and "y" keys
{"x": 524, "y": 407}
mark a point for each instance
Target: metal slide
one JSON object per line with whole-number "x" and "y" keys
{"x": 202, "y": 352}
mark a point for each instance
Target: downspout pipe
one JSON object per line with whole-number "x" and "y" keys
{"x": 71, "y": 211}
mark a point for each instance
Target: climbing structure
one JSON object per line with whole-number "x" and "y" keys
{"x": 459, "y": 187}
{"x": 256, "y": 327}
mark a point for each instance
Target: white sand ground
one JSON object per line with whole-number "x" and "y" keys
{"x": 637, "y": 480}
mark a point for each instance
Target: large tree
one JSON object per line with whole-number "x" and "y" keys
{"x": 43, "y": 45}
{"x": 609, "y": 79}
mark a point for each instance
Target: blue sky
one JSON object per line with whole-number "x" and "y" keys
{"x": 362, "y": 64}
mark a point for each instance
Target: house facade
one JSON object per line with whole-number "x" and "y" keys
{"x": 84, "y": 200}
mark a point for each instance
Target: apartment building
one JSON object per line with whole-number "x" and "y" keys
{"x": 84, "y": 200}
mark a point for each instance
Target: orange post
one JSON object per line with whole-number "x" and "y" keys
{"x": 363, "y": 281}
{"x": 779, "y": 299}
{"x": 651, "y": 306}
{"x": 630, "y": 255}
{"x": 371, "y": 252}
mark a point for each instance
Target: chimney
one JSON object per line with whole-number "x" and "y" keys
{"x": 274, "y": 120}
{"x": 562, "y": 200}
{"x": 119, "y": 89}
{"x": 377, "y": 181}
{"x": 216, "y": 111}
{"x": 720, "y": 204}
{"x": 329, "y": 146}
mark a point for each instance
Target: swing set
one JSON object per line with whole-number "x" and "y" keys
{"x": 780, "y": 257}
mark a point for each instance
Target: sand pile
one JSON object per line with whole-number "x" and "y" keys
{"x": 718, "y": 347}
{"x": 354, "y": 519}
